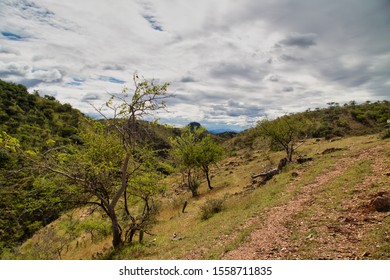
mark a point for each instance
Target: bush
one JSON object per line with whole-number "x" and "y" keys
{"x": 211, "y": 207}
{"x": 386, "y": 134}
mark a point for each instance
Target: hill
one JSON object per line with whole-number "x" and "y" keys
{"x": 34, "y": 119}
{"x": 37, "y": 123}
{"x": 30, "y": 199}
{"x": 305, "y": 211}
{"x": 321, "y": 209}
{"x": 334, "y": 121}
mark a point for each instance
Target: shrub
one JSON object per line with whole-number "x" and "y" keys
{"x": 211, "y": 207}
{"x": 386, "y": 134}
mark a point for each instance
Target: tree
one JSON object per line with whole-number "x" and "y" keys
{"x": 207, "y": 152}
{"x": 284, "y": 131}
{"x": 195, "y": 149}
{"x": 113, "y": 154}
{"x": 184, "y": 152}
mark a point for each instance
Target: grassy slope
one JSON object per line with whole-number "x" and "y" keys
{"x": 328, "y": 219}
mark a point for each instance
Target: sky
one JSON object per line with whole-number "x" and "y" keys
{"x": 229, "y": 63}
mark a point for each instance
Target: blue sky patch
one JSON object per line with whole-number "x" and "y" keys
{"x": 12, "y": 36}
{"x": 111, "y": 80}
{"x": 76, "y": 82}
{"x": 153, "y": 23}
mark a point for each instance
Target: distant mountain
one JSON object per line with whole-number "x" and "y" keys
{"x": 222, "y": 130}
{"x": 193, "y": 125}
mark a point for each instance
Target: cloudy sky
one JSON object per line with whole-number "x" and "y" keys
{"x": 229, "y": 62}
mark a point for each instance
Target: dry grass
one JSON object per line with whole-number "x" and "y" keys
{"x": 245, "y": 212}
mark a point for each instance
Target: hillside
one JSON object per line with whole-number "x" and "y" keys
{"x": 336, "y": 120}
{"x": 38, "y": 123}
{"x": 29, "y": 198}
{"x": 318, "y": 208}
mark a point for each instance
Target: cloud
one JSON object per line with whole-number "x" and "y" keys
{"x": 234, "y": 108}
{"x": 47, "y": 76}
{"x": 187, "y": 79}
{"x": 28, "y": 76}
{"x": 31, "y": 11}
{"x": 230, "y": 70}
{"x": 288, "y": 57}
{"x": 228, "y": 62}
{"x": 91, "y": 97}
{"x": 114, "y": 67}
{"x": 299, "y": 40}
{"x": 9, "y": 50}
{"x": 14, "y": 69}
{"x": 273, "y": 78}
{"x": 288, "y": 89}
{"x": 75, "y": 82}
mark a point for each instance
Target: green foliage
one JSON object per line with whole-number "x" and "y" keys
{"x": 32, "y": 119}
{"x": 207, "y": 152}
{"x": 386, "y": 134}
{"x": 114, "y": 160}
{"x": 350, "y": 119}
{"x": 33, "y": 125}
{"x": 210, "y": 208}
{"x": 195, "y": 149}
{"x": 8, "y": 142}
{"x": 283, "y": 132}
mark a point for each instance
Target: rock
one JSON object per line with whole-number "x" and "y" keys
{"x": 381, "y": 202}
{"x": 175, "y": 237}
{"x": 294, "y": 174}
{"x": 302, "y": 160}
{"x": 335, "y": 139}
{"x": 331, "y": 150}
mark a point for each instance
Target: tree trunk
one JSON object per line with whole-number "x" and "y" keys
{"x": 184, "y": 206}
{"x": 115, "y": 228}
{"x": 289, "y": 152}
{"x": 206, "y": 171}
{"x": 271, "y": 173}
{"x": 132, "y": 233}
{"x": 125, "y": 202}
{"x": 191, "y": 185}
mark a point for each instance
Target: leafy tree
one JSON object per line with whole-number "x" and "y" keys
{"x": 195, "y": 149}
{"x": 284, "y": 132}
{"x": 207, "y": 153}
{"x": 184, "y": 150}
{"x": 112, "y": 155}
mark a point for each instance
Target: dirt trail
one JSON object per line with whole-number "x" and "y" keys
{"x": 272, "y": 239}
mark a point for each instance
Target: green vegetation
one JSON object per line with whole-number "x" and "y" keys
{"x": 283, "y": 132}
{"x": 211, "y": 207}
{"x": 113, "y": 161}
{"x": 77, "y": 188}
{"x": 29, "y": 200}
{"x": 331, "y": 122}
{"x": 193, "y": 149}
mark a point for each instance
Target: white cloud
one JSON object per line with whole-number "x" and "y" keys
{"x": 14, "y": 69}
{"x": 270, "y": 57}
{"x": 47, "y": 76}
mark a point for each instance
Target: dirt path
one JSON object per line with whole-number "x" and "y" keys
{"x": 273, "y": 237}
